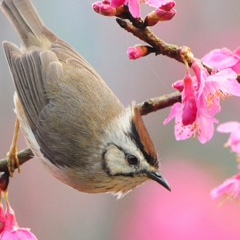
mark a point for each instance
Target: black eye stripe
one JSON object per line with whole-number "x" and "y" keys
{"x": 134, "y": 135}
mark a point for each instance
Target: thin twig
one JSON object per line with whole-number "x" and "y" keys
{"x": 146, "y": 35}
{"x": 23, "y": 157}
{"x": 155, "y": 104}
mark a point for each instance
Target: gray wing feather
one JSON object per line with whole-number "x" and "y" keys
{"x": 67, "y": 54}
{"x": 29, "y": 72}
{"x": 33, "y": 73}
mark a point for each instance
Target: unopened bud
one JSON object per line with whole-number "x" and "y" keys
{"x": 163, "y": 13}
{"x": 104, "y": 8}
{"x": 168, "y": 6}
{"x": 138, "y": 51}
{"x": 4, "y": 180}
{"x": 178, "y": 85}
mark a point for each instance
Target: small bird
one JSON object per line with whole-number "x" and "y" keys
{"x": 70, "y": 118}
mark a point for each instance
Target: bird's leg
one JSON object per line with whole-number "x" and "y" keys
{"x": 13, "y": 161}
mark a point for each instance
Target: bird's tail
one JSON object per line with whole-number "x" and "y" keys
{"x": 26, "y": 21}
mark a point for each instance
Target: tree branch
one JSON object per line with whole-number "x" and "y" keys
{"x": 146, "y": 35}
{"x": 23, "y": 157}
{"x": 155, "y": 104}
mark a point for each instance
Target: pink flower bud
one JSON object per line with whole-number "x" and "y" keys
{"x": 163, "y": 13}
{"x": 168, "y": 6}
{"x": 178, "y": 85}
{"x": 4, "y": 181}
{"x": 104, "y": 8}
{"x": 189, "y": 102}
{"x": 12, "y": 231}
{"x": 137, "y": 52}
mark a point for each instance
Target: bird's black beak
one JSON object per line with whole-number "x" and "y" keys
{"x": 158, "y": 178}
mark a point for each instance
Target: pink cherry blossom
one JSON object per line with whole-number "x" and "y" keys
{"x": 203, "y": 126}
{"x": 201, "y": 95}
{"x": 230, "y": 188}
{"x": 134, "y": 5}
{"x": 11, "y": 229}
{"x": 234, "y": 140}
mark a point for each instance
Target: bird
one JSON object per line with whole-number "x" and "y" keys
{"x": 69, "y": 117}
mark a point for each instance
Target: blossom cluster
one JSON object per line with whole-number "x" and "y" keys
{"x": 206, "y": 83}
{"x": 201, "y": 95}
{"x": 202, "y": 92}
{"x": 115, "y": 8}
{"x": 230, "y": 188}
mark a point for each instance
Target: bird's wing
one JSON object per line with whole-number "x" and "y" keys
{"x": 33, "y": 72}
{"x": 30, "y": 71}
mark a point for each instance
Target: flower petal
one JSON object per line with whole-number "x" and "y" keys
{"x": 234, "y": 141}
{"x": 156, "y": 3}
{"x": 206, "y": 128}
{"x": 20, "y": 234}
{"x": 184, "y": 132}
{"x": 224, "y": 81}
{"x": 229, "y": 188}
{"x": 228, "y": 127}
{"x": 221, "y": 58}
{"x": 175, "y": 110}
{"x": 134, "y": 8}
{"x": 118, "y": 3}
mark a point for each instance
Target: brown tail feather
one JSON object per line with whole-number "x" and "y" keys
{"x": 24, "y": 17}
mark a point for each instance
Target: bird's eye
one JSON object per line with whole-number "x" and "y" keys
{"x": 132, "y": 160}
